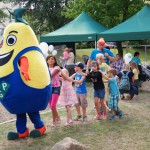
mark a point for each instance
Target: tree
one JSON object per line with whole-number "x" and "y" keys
{"x": 108, "y": 12}
{"x": 43, "y": 16}
{"x": 3, "y": 15}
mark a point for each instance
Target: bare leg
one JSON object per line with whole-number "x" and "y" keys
{"x": 103, "y": 106}
{"x": 84, "y": 111}
{"x": 69, "y": 116}
{"x": 55, "y": 115}
{"x": 78, "y": 110}
{"x": 97, "y": 104}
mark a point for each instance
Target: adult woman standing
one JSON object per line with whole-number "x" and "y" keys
{"x": 70, "y": 62}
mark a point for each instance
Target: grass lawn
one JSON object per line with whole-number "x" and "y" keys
{"x": 132, "y": 132}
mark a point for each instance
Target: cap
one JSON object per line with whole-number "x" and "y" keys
{"x": 101, "y": 41}
{"x": 79, "y": 64}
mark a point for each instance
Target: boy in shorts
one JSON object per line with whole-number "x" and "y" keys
{"x": 81, "y": 92}
{"x": 114, "y": 93}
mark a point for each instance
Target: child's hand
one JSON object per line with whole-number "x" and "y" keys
{"x": 71, "y": 79}
{"x": 106, "y": 54}
{"x": 87, "y": 71}
{"x": 100, "y": 71}
{"x": 84, "y": 74}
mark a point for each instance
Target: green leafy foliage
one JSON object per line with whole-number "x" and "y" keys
{"x": 108, "y": 12}
{"x": 3, "y": 15}
{"x": 43, "y": 16}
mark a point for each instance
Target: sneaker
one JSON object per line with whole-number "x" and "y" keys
{"x": 97, "y": 117}
{"x": 135, "y": 97}
{"x": 128, "y": 97}
{"x": 120, "y": 114}
{"x": 78, "y": 118}
{"x": 68, "y": 123}
{"x": 15, "y": 135}
{"x": 37, "y": 132}
{"x": 105, "y": 116}
{"x": 122, "y": 97}
{"x": 84, "y": 119}
{"x": 112, "y": 117}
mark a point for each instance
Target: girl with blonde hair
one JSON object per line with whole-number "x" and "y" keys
{"x": 135, "y": 70}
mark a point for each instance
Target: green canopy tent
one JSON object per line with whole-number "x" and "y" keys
{"x": 135, "y": 28}
{"x": 81, "y": 29}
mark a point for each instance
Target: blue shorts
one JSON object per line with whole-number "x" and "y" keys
{"x": 113, "y": 102}
{"x": 56, "y": 90}
{"x": 99, "y": 93}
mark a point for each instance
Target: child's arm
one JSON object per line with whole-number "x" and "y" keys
{"x": 66, "y": 77}
{"x": 94, "y": 75}
{"x": 72, "y": 77}
{"x": 55, "y": 71}
{"x": 133, "y": 79}
{"x": 109, "y": 79}
{"x": 117, "y": 78}
{"x": 84, "y": 74}
{"x": 60, "y": 78}
{"x": 79, "y": 81}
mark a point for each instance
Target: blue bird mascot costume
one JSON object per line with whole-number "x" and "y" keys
{"x": 25, "y": 83}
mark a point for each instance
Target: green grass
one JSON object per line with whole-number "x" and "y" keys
{"x": 130, "y": 132}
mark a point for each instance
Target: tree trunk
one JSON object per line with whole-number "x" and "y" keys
{"x": 119, "y": 47}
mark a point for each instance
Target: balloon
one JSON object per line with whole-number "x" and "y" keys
{"x": 54, "y": 52}
{"x": 44, "y": 47}
{"x": 45, "y": 55}
{"x": 51, "y": 48}
{"x": 127, "y": 58}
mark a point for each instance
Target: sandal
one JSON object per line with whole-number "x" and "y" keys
{"x": 122, "y": 97}
{"x": 53, "y": 125}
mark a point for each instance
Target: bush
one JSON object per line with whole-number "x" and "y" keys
{"x": 85, "y": 45}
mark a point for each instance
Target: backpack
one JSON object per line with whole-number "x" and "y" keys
{"x": 124, "y": 83}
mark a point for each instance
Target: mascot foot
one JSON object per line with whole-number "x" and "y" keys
{"x": 15, "y": 135}
{"x": 37, "y": 132}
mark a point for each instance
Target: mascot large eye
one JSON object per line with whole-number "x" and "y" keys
{"x": 11, "y": 40}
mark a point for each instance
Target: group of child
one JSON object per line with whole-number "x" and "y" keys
{"x": 104, "y": 86}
